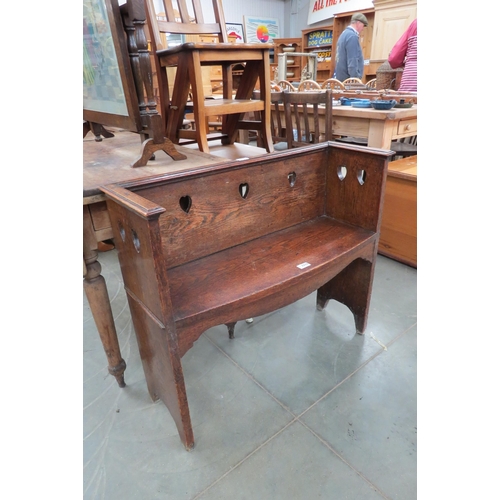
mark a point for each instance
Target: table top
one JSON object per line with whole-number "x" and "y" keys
{"x": 376, "y": 114}
{"x": 370, "y": 113}
{"x": 109, "y": 161}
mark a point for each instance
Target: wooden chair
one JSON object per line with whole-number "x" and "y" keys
{"x": 354, "y": 84}
{"x": 278, "y": 132}
{"x": 309, "y": 86}
{"x": 350, "y": 81}
{"x": 303, "y": 122}
{"x": 371, "y": 84}
{"x": 287, "y": 86}
{"x": 189, "y": 58}
{"x": 332, "y": 83}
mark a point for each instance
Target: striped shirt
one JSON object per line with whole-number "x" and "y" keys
{"x": 405, "y": 52}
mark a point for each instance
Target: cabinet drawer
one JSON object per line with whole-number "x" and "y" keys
{"x": 100, "y": 216}
{"x": 407, "y": 127}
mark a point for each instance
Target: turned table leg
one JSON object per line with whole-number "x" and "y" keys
{"x": 98, "y": 298}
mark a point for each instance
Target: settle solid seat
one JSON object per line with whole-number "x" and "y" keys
{"x": 189, "y": 58}
{"x": 301, "y": 128}
{"x": 228, "y": 242}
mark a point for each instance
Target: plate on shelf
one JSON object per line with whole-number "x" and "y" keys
{"x": 383, "y": 104}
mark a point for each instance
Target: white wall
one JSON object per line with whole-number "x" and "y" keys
{"x": 234, "y": 10}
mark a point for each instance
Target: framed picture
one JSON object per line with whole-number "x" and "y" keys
{"x": 109, "y": 94}
{"x": 236, "y": 30}
{"x": 261, "y": 30}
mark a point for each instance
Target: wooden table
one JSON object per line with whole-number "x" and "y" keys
{"x": 107, "y": 162}
{"x": 379, "y": 127}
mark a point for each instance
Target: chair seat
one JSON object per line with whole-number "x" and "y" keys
{"x": 215, "y": 46}
{"x": 229, "y": 106}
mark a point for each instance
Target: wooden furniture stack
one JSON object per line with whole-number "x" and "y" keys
{"x": 233, "y": 241}
{"x": 189, "y": 59}
{"x": 398, "y": 234}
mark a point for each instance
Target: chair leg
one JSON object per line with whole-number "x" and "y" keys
{"x": 175, "y": 111}
{"x": 200, "y": 116}
{"x": 266, "y": 133}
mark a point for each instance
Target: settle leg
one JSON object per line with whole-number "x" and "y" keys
{"x": 351, "y": 287}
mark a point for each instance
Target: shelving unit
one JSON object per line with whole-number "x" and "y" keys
{"x": 319, "y": 40}
{"x": 282, "y": 45}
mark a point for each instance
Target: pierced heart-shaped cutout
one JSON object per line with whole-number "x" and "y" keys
{"x": 342, "y": 172}
{"x": 244, "y": 189}
{"x": 361, "y": 177}
{"x": 185, "y": 203}
{"x": 292, "y": 177}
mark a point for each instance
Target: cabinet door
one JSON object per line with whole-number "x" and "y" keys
{"x": 390, "y": 24}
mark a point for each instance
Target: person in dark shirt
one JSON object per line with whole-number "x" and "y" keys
{"x": 349, "y": 62}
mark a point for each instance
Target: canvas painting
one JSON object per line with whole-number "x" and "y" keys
{"x": 261, "y": 29}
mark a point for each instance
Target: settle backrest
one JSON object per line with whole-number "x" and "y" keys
{"x": 211, "y": 209}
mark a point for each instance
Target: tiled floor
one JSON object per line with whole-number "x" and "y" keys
{"x": 297, "y": 406}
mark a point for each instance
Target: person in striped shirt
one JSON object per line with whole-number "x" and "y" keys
{"x": 404, "y": 53}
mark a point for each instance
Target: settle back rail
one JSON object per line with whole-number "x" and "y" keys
{"x": 227, "y": 242}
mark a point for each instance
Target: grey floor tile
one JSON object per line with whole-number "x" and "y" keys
{"x": 371, "y": 419}
{"x": 293, "y": 465}
{"x": 393, "y": 307}
{"x": 131, "y": 445}
{"x": 298, "y": 353}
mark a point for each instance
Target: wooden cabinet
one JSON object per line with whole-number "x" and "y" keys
{"x": 392, "y": 18}
{"x": 323, "y": 40}
{"x": 294, "y": 64}
{"x": 398, "y": 231}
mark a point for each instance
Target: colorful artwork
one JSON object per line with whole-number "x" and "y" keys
{"x": 235, "y": 30}
{"x": 261, "y": 30}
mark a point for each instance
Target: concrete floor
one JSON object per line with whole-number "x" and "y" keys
{"x": 297, "y": 406}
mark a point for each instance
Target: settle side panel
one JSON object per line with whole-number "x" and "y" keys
{"x": 355, "y": 186}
